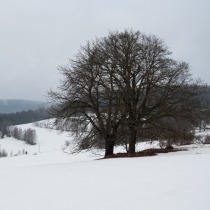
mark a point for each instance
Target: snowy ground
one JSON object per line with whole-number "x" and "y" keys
{"x": 46, "y": 178}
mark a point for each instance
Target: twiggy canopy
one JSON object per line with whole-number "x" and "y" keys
{"x": 120, "y": 86}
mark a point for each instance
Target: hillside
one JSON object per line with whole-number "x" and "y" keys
{"x": 47, "y": 178}
{"x": 16, "y": 105}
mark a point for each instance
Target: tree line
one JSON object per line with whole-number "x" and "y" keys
{"x": 29, "y": 135}
{"x": 24, "y": 117}
{"x": 125, "y": 88}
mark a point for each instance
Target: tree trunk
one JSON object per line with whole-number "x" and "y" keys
{"x": 132, "y": 141}
{"x": 109, "y": 147}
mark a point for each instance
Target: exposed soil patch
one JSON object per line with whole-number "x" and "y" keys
{"x": 144, "y": 153}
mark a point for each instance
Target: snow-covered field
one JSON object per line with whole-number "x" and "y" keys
{"x": 46, "y": 178}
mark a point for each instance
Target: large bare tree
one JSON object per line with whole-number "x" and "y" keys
{"x": 121, "y": 86}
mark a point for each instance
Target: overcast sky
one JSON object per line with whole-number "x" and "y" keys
{"x": 36, "y": 36}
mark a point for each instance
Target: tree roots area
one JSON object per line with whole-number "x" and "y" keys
{"x": 144, "y": 153}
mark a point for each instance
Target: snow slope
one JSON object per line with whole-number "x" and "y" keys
{"x": 57, "y": 181}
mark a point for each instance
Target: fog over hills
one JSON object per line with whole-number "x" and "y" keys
{"x": 17, "y": 105}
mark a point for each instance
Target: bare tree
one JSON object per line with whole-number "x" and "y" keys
{"x": 5, "y": 128}
{"x": 17, "y": 133}
{"x": 120, "y": 87}
{"x": 30, "y": 136}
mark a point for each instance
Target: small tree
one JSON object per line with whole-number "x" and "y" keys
{"x": 4, "y": 128}
{"x": 30, "y": 136}
{"x": 17, "y": 133}
{"x": 4, "y": 153}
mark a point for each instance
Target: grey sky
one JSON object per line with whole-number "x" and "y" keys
{"x": 36, "y": 36}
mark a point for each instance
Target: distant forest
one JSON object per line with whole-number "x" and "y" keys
{"x": 24, "y": 117}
